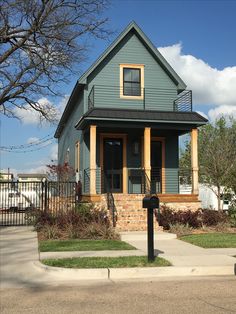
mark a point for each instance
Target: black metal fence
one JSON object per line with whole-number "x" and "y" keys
{"x": 19, "y": 200}
{"x": 160, "y": 99}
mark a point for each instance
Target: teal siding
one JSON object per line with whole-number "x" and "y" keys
{"x": 160, "y": 89}
{"x": 70, "y": 135}
{"x": 172, "y": 160}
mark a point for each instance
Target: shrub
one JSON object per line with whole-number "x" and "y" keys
{"x": 169, "y": 217}
{"x": 194, "y": 219}
{"x": 84, "y": 222}
{"x": 212, "y": 218}
{"x": 232, "y": 213}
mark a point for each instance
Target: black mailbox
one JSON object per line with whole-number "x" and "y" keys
{"x": 151, "y": 202}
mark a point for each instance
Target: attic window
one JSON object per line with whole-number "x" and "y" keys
{"x": 131, "y": 81}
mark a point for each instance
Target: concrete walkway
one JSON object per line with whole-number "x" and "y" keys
{"x": 20, "y": 266}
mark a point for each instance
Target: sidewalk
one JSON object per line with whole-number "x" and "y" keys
{"x": 20, "y": 266}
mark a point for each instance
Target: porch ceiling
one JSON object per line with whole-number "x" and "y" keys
{"x": 139, "y": 118}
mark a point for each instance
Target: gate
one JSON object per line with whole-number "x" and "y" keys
{"x": 19, "y": 200}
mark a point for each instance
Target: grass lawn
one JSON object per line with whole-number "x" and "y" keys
{"x": 106, "y": 262}
{"x": 212, "y": 240}
{"x": 83, "y": 245}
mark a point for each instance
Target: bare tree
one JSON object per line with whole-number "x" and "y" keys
{"x": 41, "y": 43}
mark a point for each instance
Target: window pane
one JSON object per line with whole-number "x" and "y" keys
{"x": 136, "y": 90}
{"x": 127, "y": 74}
{"x": 136, "y": 75}
{"x": 132, "y": 89}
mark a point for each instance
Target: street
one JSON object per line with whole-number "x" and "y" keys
{"x": 199, "y": 295}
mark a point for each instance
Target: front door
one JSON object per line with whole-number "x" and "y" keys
{"x": 113, "y": 165}
{"x": 156, "y": 166}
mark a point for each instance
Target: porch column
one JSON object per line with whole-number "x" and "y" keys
{"x": 147, "y": 156}
{"x": 194, "y": 161}
{"x": 92, "y": 159}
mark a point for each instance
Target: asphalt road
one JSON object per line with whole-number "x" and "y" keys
{"x": 200, "y": 295}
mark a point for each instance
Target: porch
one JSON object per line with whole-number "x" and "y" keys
{"x": 137, "y": 162}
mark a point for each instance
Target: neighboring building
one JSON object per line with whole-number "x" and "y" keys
{"x": 121, "y": 126}
{"x": 6, "y": 177}
{"x": 32, "y": 177}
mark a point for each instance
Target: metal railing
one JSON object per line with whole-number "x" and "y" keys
{"x": 178, "y": 180}
{"x": 149, "y": 99}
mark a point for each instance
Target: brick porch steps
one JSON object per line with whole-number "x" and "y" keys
{"x": 132, "y": 217}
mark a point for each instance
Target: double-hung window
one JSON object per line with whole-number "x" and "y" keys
{"x": 131, "y": 81}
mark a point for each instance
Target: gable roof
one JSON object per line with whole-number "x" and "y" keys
{"x": 132, "y": 27}
{"x": 148, "y": 44}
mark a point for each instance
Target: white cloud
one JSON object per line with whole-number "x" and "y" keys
{"x": 220, "y": 111}
{"x": 30, "y": 116}
{"x": 209, "y": 85}
{"x": 32, "y": 140}
{"x": 53, "y": 153}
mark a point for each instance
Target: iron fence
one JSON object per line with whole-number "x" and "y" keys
{"x": 19, "y": 200}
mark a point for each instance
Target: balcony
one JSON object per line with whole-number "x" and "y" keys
{"x": 101, "y": 96}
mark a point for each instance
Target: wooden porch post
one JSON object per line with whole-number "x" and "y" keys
{"x": 194, "y": 161}
{"x": 147, "y": 155}
{"x": 92, "y": 159}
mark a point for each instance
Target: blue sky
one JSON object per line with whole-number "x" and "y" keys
{"x": 196, "y": 37}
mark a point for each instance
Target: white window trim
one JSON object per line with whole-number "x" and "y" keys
{"x": 131, "y": 66}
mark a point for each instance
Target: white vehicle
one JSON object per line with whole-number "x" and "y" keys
{"x": 14, "y": 200}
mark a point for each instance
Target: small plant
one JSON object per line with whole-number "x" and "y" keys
{"x": 181, "y": 229}
{"x": 50, "y": 232}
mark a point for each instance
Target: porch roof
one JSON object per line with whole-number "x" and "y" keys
{"x": 140, "y": 116}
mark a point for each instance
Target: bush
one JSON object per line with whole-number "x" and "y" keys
{"x": 83, "y": 222}
{"x": 211, "y": 217}
{"x": 232, "y": 213}
{"x": 194, "y": 219}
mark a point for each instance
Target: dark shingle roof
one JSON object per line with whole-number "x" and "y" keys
{"x": 141, "y": 116}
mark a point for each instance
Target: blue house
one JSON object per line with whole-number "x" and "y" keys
{"x": 121, "y": 126}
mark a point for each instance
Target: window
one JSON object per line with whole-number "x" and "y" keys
{"x": 131, "y": 81}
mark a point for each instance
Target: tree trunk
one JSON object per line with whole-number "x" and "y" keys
{"x": 218, "y": 198}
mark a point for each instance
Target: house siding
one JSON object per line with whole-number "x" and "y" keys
{"x": 172, "y": 164}
{"x": 160, "y": 90}
{"x": 70, "y": 136}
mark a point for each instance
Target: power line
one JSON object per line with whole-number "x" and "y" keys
{"x": 24, "y": 151}
{"x": 26, "y": 146}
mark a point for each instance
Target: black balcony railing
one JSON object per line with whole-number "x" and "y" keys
{"x": 149, "y": 99}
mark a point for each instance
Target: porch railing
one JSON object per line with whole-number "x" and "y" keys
{"x": 177, "y": 180}
{"x": 151, "y": 99}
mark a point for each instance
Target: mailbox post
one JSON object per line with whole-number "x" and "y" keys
{"x": 150, "y": 203}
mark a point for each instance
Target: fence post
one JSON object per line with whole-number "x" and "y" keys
{"x": 45, "y": 195}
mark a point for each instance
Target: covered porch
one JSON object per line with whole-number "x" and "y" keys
{"x": 130, "y": 157}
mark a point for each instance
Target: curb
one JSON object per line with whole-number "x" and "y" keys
{"x": 135, "y": 273}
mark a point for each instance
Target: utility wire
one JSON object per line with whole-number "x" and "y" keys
{"x": 25, "y": 146}
{"x": 24, "y": 151}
